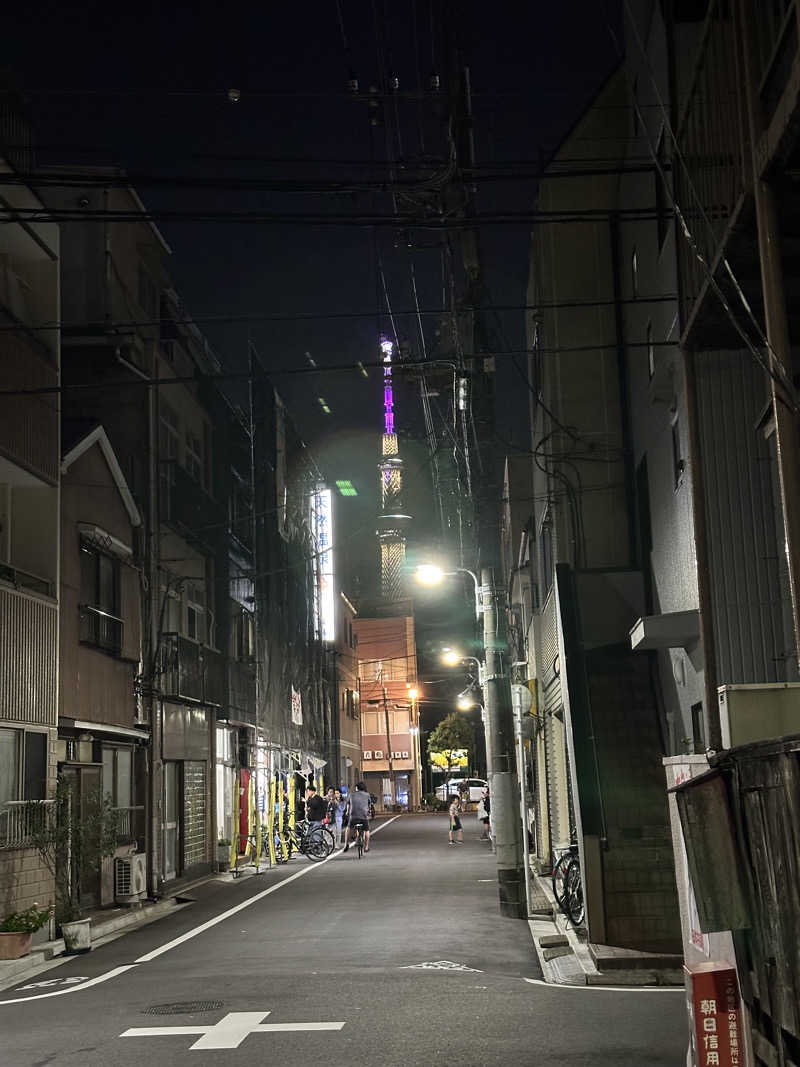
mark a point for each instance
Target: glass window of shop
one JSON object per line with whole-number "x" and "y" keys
{"x": 226, "y": 780}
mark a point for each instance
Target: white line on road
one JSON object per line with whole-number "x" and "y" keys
{"x": 610, "y": 988}
{"x": 185, "y": 937}
{"x": 73, "y": 988}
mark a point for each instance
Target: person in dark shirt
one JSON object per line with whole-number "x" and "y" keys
{"x": 316, "y": 807}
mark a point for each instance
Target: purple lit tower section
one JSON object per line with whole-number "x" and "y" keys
{"x": 392, "y": 521}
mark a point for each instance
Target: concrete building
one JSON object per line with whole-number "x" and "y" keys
{"x": 387, "y": 668}
{"x": 30, "y": 358}
{"x": 348, "y": 698}
{"x": 102, "y": 740}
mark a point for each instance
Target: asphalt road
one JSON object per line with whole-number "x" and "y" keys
{"x": 345, "y": 943}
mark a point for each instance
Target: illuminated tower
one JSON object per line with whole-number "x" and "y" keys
{"x": 391, "y": 521}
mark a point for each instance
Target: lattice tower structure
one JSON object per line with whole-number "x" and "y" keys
{"x": 392, "y": 520}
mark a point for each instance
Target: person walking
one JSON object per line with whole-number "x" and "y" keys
{"x": 455, "y": 823}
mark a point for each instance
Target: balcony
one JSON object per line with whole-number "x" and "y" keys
{"x": 29, "y": 424}
{"x": 190, "y": 671}
{"x": 28, "y": 657}
{"x": 242, "y": 690}
{"x": 189, "y": 509}
{"x": 100, "y": 629}
{"x": 19, "y": 819}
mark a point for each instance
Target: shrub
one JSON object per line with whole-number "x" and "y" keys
{"x": 26, "y": 922}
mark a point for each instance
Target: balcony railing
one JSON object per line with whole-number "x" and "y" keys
{"x": 186, "y": 506}
{"x": 32, "y": 583}
{"x": 28, "y": 657}
{"x": 190, "y": 671}
{"x": 130, "y": 826}
{"x": 100, "y": 629}
{"x": 19, "y": 819}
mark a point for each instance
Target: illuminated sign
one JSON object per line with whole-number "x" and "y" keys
{"x": 322, "y": 524}
{"x": 346, "y": 487}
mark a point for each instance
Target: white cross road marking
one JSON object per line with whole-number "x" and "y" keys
{"x": 51, "y": 982}
{"x": 440, "y": 965}
{"x": 230, "y": 1031}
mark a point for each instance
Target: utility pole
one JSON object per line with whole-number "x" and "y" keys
{"x": 388, "y": 745}
{"x": 501, "y": 752}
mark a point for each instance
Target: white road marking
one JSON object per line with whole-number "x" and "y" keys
{"x": 186, "y": 937}
{"x": 73, "y": 988}
{"x": 230, "y": 1031}
{"x": 51, "y": 982}
{"x": 611, "y": 988}
{"x": 440, "y": 965}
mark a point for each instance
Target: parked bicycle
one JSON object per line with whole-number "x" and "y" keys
{"x": 568, "y": 884}
{"x": 315, "y": 842}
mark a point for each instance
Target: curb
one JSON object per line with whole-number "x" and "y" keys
{"x": 566, "y": 960}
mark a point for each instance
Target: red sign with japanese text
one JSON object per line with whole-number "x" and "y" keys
{"x": 715, "y": 1009}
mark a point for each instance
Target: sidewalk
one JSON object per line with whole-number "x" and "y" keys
{"x": 567, "y": 958}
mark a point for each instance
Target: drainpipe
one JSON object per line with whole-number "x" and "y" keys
{"x": 622, "y": 378}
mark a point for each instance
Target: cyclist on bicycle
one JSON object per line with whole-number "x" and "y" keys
{"x": 357, "y": 812}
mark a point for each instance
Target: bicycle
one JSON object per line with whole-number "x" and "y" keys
{"x": 559, "y": 869}
{"x": 315, "y": 842}
{"x": 568, "y": 885}
{"x": 359, "y": 829}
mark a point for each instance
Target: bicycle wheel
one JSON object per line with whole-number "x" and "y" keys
{"x": 574, "y": 892}
{"x": 360, "y": 842}
{"x": 559, "y": 877}
{"x": 315, "y": 846}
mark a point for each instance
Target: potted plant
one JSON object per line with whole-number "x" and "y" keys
{"x": 75, "y": 837}
{"x": 223, "y": 853}
{"x": 17, "y": 930}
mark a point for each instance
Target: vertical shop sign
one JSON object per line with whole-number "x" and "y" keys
{"x": 717, "y": 1019}
{"x": 297, "y": 707}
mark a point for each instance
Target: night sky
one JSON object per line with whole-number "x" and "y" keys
{"x": 146, "y": 89}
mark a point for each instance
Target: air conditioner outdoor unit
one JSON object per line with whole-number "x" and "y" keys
{"x": 130, "y": 878}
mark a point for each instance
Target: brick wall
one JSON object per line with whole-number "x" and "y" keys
{"x": 195, "y": 809}
{"x": 24, "y": 881}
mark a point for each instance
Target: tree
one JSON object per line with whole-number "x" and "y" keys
{"x": 453, "y": 734}
{"x": 73, "y": 837}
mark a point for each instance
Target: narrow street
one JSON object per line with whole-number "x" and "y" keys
{"x": 345, "y": 942}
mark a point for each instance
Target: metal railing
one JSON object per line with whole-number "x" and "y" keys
{"x": 130, "y": 825}
{"x": 191, "y": 671}
{"x": 31, "y": 583}
{"x": 19, "y": 819}
{"x": 100, "y": 629}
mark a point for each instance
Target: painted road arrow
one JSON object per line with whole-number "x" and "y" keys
{"x": 230, "y": 1031}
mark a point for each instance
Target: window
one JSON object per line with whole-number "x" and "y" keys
{"x": 100, "y": 624}
{"x": 23, "y": 765}
{"x": 195, "y": 612}
{"x": 118, "y": 776}
{"x": 651, "y": 353}
{"x": 350, "y": 703}
{"x": 194, "y": 457}
{"x": 243, "y": 635}
{"x": 169, "y": 432}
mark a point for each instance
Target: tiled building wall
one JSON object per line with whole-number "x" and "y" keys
{"x": 194, "y": 807}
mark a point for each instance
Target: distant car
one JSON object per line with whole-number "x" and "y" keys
{"x": 455, "y": 786}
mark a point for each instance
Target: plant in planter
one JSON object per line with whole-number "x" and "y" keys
{"x": 17, "y": 930}
{"x": 223, "y": 853}
{"x": 73, "y": 839}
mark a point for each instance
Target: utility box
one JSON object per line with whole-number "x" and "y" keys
{"x": 750, "y": 713}
{"x": 130, "y": 878}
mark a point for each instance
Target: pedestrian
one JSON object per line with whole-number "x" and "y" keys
{"x": 330, "y": 814}
{"x": 455, "y": 823}
{"x": 338, "y": 814}
{"x": 316, "y": 807}
{"x": 483, "y": 814}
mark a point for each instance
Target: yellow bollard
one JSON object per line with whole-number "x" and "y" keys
{"x": 235, "y": 827}
{"x": 271, "y": 822}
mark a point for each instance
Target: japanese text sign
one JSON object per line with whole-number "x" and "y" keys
{"x": 717, "y": 1019}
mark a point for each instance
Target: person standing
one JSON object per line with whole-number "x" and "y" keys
{"x": 483, "y": 815}
{"x": 316, "y": 807}
{"x": 339, "y": 804}
{"x": 456, "y": 832}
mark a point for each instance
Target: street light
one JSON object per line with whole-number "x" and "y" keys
{"x": 429, "y": 574}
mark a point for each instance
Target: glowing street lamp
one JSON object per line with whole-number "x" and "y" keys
{"x": 451, "y": 658}
{"x": 429, "y": 574}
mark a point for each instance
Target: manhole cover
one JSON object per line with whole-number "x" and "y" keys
{"x": 185, "y": 1007}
